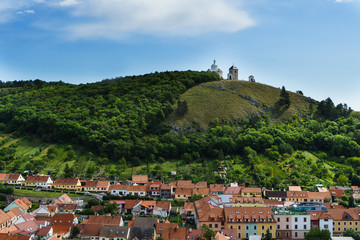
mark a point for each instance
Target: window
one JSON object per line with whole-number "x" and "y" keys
{"x": 278, "y": 226}
{"x": 344, "y": 229}
{"x": 304, "y": 219}
{"x": 247, "y": 227}
{"x": 356, "y": 229}
{"x": 216, "y": 225}
{"x": 344, "y": 223}
{"x": 263, "y": 235}
{"x": 287, "y": 226}
{"x": 278, "y": 219}
{"x": 262, "y": 227}
{"x": 255, "y": 227}
{"x": 270, "y": 227}
{"x": 247, "y": 235}
{"x": 287, "y": 219}
{"x": 210, "y": 225}
{"x": 278, "y": 234}
{"x": 296, "y": 234}
{"x": 356, "y": 223}
{"x": 296, "y": 219}
{"x": 339, "y": 229}
{"x": 326, "y": 226}
{"x": 296, "y": 227}
{"x": 350, "y": 223}
{"x": 239, "y": 235}
{"x": 304, "y": 226}
{"x": 287, "y": 234}
{"x": 231, "y": 227}
{"x": 338, "y": 223}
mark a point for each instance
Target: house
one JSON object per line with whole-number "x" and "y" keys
{"x": 67, "y": 183}
{"x": 5, "y": 236}
{"x": 291, "y": 225}
{"x": 213, "y": 218}
{"x": 295, "y": 188}
{"x": 276, "y": 195}
{"x": 64, "y": 199}
{"x": 45, "y": 232}
{"x": 147, "y": 207}
{"x": 137, "y": 190}
{"x": 344, "y": 219}
{"x": 139, "y": 179}
{"x": 235, "y": 191}
{"x": 319, "y": 197}
{"x": 27, "y": 228}
{"x": 153, "y": 189}
{"x": 337, "y": 194}
{"x": 200, "y": 185}
{"x": 22, "y": 203}
{"x": 184, "y": 184}
{"x": 38, "y": 181}
{"x": 118, "y": 190}
{"x": 217, "y": 189}
{"x": 162, "y": 209}
{"x": 114, "y": 232}
{"x": 166, "y": 191}
{"x": 132, "y": 207}
{"x": 95, "y": 186}
{"x": 66, "y": 208}
{"x": 297, "y": 196}
{"x": 104, "y": 220}
{"x": 201, "y": 191}
{"x": 143, "y": 233}
{"x": 251, "y": 192}
{"x": 163, "y": 230}
{"x": 62, "y": 224}
{"x": 355, "y": 189}
{"x": 145, "y": 222}
{"x": 89, "y": 231}
{"x": 183, "y": 193}
{"x": 12, "y": 179}
{"x": 321, "y": 220}
{"x": 15, "y": 214}
{"x": 250, "y": 221}
{"x": 5, "y": 220}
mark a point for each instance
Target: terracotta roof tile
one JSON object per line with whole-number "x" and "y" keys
{"x": 142, "y": 179}
{"x": 37, "y": 179}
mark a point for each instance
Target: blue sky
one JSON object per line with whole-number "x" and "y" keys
{"x": 308, "y": 45}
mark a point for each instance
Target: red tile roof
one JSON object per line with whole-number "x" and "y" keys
{"x": 142, "y": 179}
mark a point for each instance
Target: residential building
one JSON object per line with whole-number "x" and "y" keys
{"x": 183, "y": 193}
{"x": 297, "y": 196}
{"x": 321, "y": 220}
{"x": 275, "y": 195}
{"x": 249, "y": 221}
{"x": 167, "y": 191}
{"x": 104, "y": 220}
{"x": 217, "y": 189}
{"x": 344, "y": 219}
{"x": 139, "y": 179}
{"x": 12, "y": 179}
{"x": 114, "y": 232}
{"x": 319, "y": 197}
{"x": 38, "y": 181}
{"x": 119, "y": 190}
{"x": 292, "y": 225}
{"x": 22, "y": 203}
{"x": 67, "y": 183}
{"x": 248, "y": 202}
{"x": 251, "y": 192}
{"x": 137, "y": 190}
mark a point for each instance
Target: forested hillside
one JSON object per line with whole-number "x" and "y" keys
{"x": 131, "y": 125}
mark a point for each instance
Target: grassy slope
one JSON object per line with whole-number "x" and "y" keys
{"x": 227, "y": 100}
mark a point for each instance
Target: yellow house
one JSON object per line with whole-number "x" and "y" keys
{"x": 250, "y": 221}
{"x": 251, "y": 192}
{"x": 183, "y": 193}
{"x": 67, "y": 183}
{"x": 344, "y": 219}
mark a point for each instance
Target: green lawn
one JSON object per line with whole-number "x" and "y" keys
{"x": 31, "y": 193}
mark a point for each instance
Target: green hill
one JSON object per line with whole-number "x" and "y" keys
{"x": 235, "y": 100}
{"x": 189, "y": 122}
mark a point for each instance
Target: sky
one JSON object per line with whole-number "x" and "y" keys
{"x": 307, "y": 45}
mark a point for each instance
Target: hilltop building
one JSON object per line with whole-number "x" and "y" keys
{"x": 233, "y": 73}
{"x": 251, "y": 78}
{"x": 215, "y": 68}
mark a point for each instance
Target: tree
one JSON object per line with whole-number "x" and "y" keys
{"x": 351, "y": 233}
{"x": 284, "y": 98}
{"x": 75, "y": 231}
{"x": 317, "y": 234}
{"x": 268, "y": 235}
{"x": 207, "y": 232}
{"x": 68, "y": 172}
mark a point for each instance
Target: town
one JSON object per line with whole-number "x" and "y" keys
{"x": 144, "y": 209}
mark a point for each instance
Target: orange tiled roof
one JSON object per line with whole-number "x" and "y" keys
{"x": 251, "y": 190}
{"x": 103, "y": 219}
{"x": 201, "y": 185}
{"x": 183, "y": 191}
{"x": 217, "y": 188}
{"x": 355, "y": 188}
{"x": 201, "y": 191}
{"x": 130, "y": 204}
{"x": 316, "y": 215}
{"x": 184, "y": 184}
{"x": 4, "y": 217}
{"x": 138, "y": 188}
{"x": 214, "y": 215}
{"x": 66, "y": 181}
{"x": 319, "y": 195}
{"x": 4, "y": 236}
{"x": 142, "y": 179}
{"x": 295, "y": 188}
{"x": 119, "y": 187}
{"x": 350, "y": 214}
{"x": 37, "y": 179}
{"x": 164, "y": 205}
{"x": 297, "y": 194}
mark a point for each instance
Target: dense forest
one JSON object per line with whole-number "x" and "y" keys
{"x": 121, "y": 121}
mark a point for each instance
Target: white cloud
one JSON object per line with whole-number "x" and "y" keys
{"x": 66, "y": 3}
{"x": 343, "y": 1}
{"x": 119, "y": 18}
{"x": 28, "y": 11}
